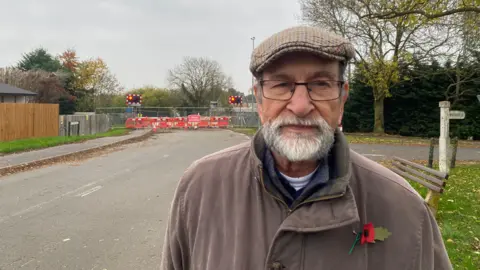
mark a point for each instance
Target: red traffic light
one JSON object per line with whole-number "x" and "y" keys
{"x": 133, "y": 99}
{"x": 235, "y": 100}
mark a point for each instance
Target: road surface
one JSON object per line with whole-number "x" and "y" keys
{"x": 109, "y": 212}
{"x": 382, "y": 152}
{"x": 104, "y": 213}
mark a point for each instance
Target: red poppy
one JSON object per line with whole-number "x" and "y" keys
{"x": 368, "y": 234}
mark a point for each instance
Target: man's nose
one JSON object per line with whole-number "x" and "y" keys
{"x": 300, "y": 104}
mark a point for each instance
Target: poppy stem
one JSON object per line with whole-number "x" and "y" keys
{"x": 354, "y": 243}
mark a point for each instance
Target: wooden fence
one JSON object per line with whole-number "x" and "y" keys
{"x": 21, "y": 121}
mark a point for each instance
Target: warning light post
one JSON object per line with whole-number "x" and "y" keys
{"x": 133, "y": 100}
{"x": 235, "y": 100}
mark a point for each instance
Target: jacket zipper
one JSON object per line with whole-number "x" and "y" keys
{"x": 265, "y": 188}
{"x": 290, "y": 210}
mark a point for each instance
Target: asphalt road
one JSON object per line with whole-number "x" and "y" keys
{"x": 382, "y": 152}
{"x": 108, "y": 212}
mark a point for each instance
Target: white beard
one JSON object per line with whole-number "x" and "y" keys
{"x": 297, "y": 146}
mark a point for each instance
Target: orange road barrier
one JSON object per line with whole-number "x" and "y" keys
{"x": 192, "y": 121}
{"x": 223, "y": 122}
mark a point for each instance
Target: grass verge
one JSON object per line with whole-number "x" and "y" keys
{"x": 369, "y": 138}
{"x": 246, "y": 131}
{"x": 459, "y": 217}
{"x": 459, "y": 213}
{"x": 39, "y": 143}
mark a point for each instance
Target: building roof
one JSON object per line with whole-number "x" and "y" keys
{"x": 6, "y": 89}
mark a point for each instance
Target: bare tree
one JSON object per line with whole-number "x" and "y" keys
{"x": 465, "y": 70}
{"x": 382, "y": 45}
{"x": 200, "y": 80}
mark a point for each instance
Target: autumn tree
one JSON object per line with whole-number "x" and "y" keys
{"x": 382, "y": 45}
{"x": 200, "y": 80}
{"x": 95, "y": 84}
{"x": 69, "y": 60}
{"x": 464, "y": 19}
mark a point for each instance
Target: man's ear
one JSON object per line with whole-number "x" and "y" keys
{"x": 345, "y": 92}
{"x": 257, "y": 93}
{"x": 258, "y": 97}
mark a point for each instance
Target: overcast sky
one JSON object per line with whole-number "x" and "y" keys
{"x": 141, "y": 40}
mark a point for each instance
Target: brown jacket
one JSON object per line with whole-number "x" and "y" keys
{"x": 223, "y": 216}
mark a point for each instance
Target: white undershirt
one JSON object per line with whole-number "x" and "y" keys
{"x": 299, "y": 182}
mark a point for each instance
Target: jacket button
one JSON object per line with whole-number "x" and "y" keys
{"x": 277, "y": 266}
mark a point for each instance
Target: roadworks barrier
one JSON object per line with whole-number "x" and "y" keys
{"x": 193, "y": 121}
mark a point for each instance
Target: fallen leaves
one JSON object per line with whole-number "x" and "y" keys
{"x": 459, "y": 217}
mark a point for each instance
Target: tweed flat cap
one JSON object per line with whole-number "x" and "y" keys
{"x": 301, "y": 39}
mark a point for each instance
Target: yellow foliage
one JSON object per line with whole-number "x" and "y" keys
{"x": 379, "y": 74}
{"x": 90, "y": 73}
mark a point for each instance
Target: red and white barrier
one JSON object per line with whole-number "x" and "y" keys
{"x": 192, "y": 121}
{"x": 223, "y": 122}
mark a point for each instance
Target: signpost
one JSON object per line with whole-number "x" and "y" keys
{"x": 457, "y": 115}
{"x": 193, "y": 120}
{"x": 444, "y": 139}
{"x": 444, "y": 151}
{"x": 71, "y": 124}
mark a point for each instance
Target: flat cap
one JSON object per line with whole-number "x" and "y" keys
{"x": 301, "y": 39}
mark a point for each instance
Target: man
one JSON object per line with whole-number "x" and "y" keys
{"x": 296, "y": 197}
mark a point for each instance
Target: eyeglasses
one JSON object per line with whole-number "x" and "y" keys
{"x": 321, "y": 90}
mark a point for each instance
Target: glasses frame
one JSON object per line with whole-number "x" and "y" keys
{"x": 294, "y": 88}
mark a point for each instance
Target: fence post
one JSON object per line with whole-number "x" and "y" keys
{"x": 454, "y": 152}
{"x": 430, "y": 152}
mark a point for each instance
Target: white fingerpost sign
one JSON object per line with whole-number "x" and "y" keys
{"x": 457, "y": 115}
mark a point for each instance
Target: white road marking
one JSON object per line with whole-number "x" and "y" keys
{"x": 27, "y": 263}
{"x": 66, "y": 239}
{"x": 88, "y": 192}
{"x": 37, "y": 206}
{"x": 40, "y": 205}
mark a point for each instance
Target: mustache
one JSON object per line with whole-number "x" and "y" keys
{"x": 318, "y": 123}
